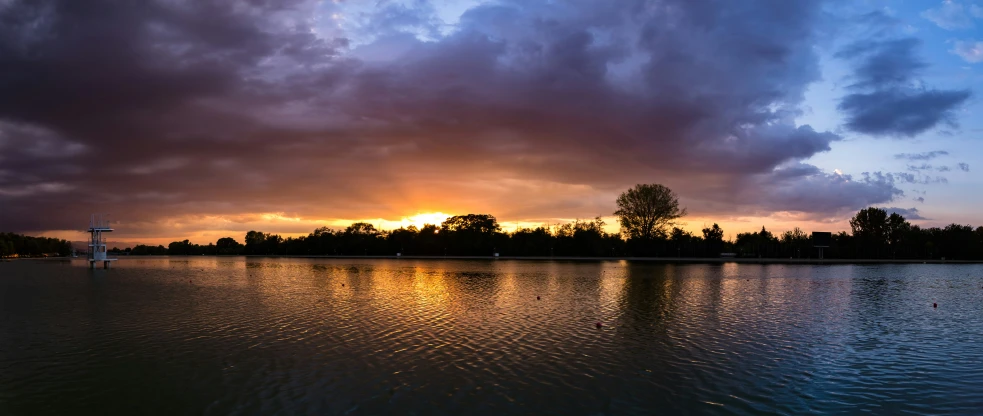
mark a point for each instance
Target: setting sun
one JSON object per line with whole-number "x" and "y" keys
{"x": 420, "y": 219}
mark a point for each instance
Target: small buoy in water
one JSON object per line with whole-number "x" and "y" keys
{"x": 599, "y": 325}
{"x": 537, "y": 297}
{"x": 935, "y": 305}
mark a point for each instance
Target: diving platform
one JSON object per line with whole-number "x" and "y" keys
{"x": 98, "y": 225}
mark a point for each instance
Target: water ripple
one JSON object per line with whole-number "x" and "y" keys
{"x": 283, "y": 336}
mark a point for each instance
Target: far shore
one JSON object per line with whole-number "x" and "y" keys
{"x": 665, "y": 260}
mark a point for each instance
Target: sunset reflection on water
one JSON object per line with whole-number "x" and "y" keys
{"x": 265, "y": 335}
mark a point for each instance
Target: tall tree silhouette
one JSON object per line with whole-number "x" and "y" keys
{"x": 472, "y": 234}
{"x": 713, "y": 237}
{"x": 870, "y": 229}
{"x": 647, "y": 211}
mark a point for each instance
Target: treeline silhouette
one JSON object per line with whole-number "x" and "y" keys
{"x": 874, "y": 235}
{"x": 464, "y": 235}
{"x": 25, "y": 246}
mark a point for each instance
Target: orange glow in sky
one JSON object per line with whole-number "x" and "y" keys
{"x": 204, "y": 230}
{"x": 420, "y": 219}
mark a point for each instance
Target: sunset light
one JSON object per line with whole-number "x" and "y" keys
{"x": 491, "y": 207}
{"x": 419, "y": 220}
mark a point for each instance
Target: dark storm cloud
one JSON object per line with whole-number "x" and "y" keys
{"x": 173, "y": 108}
{"x": 921, "y": 156}
{"x": 888, "y": 98}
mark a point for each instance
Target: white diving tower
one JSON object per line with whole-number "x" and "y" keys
{"x": 97, "y": 243}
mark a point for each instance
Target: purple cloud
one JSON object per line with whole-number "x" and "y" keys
{"x": 883, "y": 101}
{"x": 908, "y": 213}
{"x": 524, "y": 108}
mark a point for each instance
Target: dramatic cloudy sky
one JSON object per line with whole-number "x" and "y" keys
{"x": 203, "y": 118}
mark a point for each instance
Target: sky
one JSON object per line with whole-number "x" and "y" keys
{"x": 201, "y": 119}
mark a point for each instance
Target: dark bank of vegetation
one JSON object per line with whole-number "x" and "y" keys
{"x": 646, "y": 214}
{"x": 16, "y": 245}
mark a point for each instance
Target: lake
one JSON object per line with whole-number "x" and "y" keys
{"x": 220, "y": 336}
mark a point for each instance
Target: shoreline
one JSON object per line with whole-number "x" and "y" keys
{"x": 662, "y": 260}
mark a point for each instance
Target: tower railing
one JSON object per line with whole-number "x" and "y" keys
{"x": 98, "y": 221}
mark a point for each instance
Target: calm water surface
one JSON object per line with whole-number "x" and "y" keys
{"x": 220, "y": 336}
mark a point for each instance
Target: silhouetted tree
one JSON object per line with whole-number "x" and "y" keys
{"x": 262, "y": 243}
{"x": 682, "y": 241}
{"x": 479, "y": 234}
{"x": 646, "y": 211}
{"x": 26, "y": 246}
{"x": 473, "y": 223}
{"x": 428, "y": 241}
{"x": 254, "y": 242}
{"x": 6, "y": 248}
{"x": 795, "y": 243}
{"x": 532, "y": 242}
{"x": 179, "y": 248}
{"x": 870, "y": 228}
{"x": 897, "y": 228}
{"x": 713, "y": 237}
{"x": 144, "y": 250}
{"x": 578, "y": 238}
{"x": 759, "y": 244}
{"x": 362, "y": 238}
{"x": 958, "y": 242}
{"x": 402, "y": 239}
{"x": 361, "y": 228}
{"x": 471, "y": 234}
{"x": 228, "y": 246}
